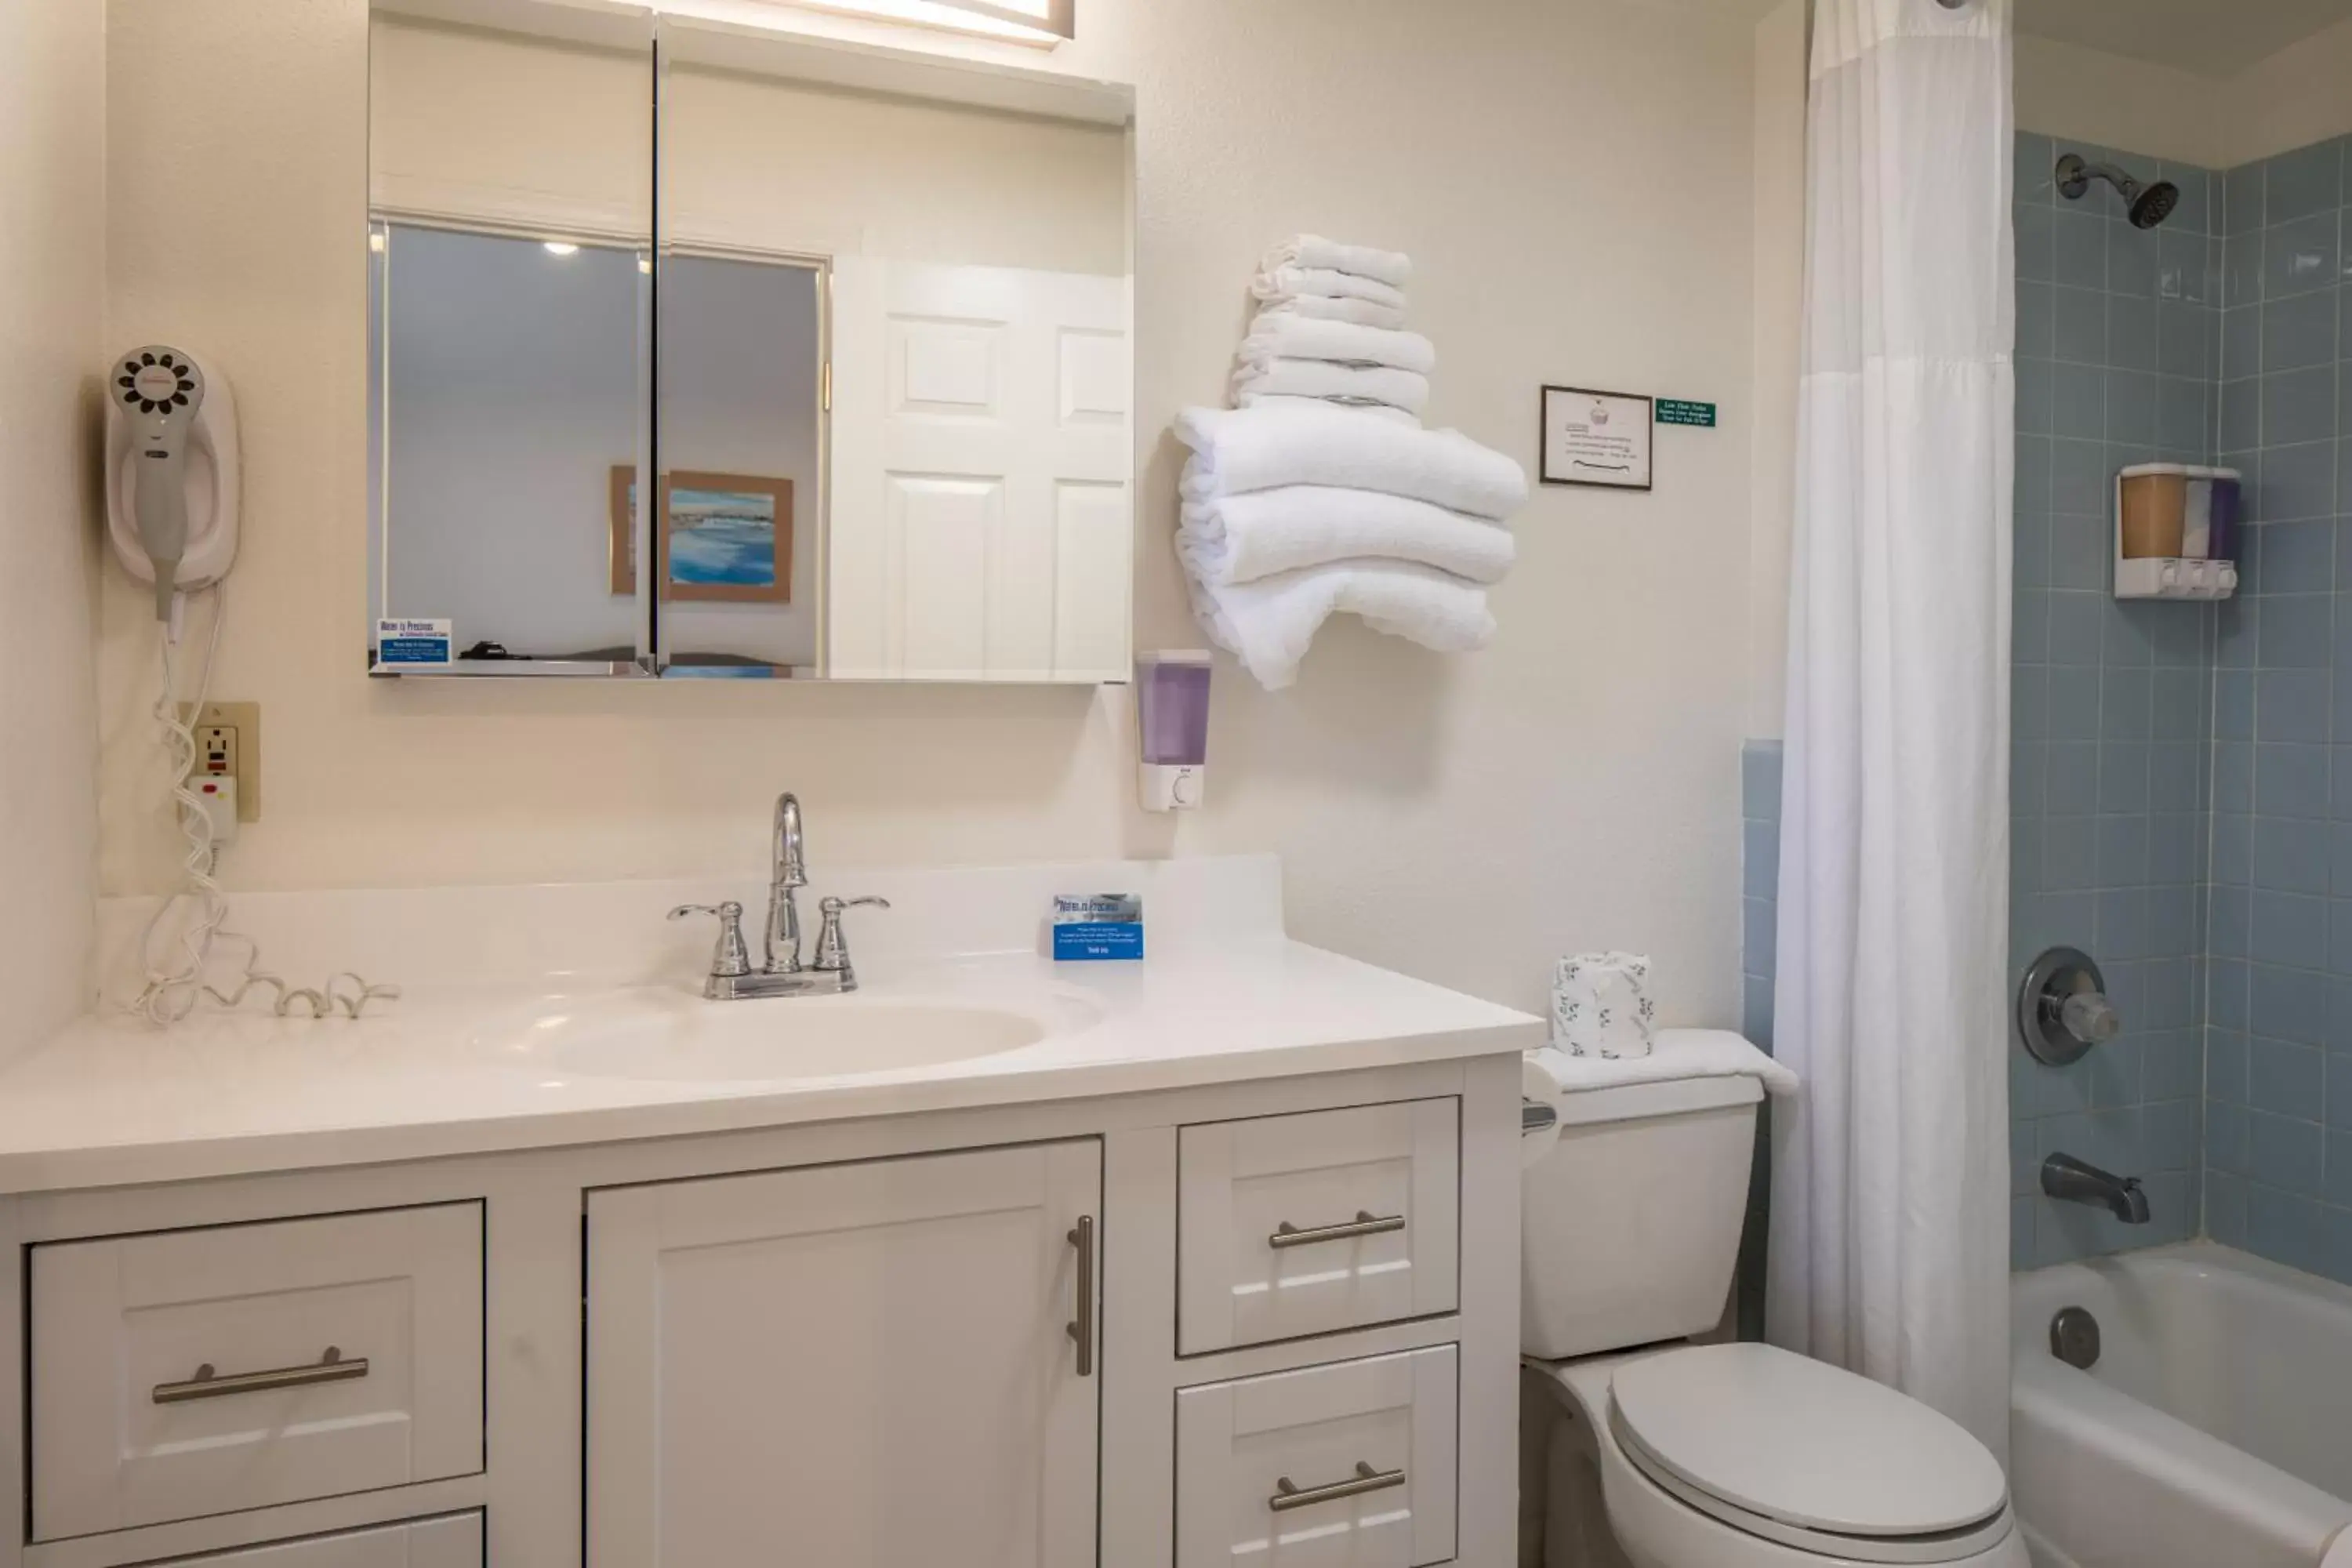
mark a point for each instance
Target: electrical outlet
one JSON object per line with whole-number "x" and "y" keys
{"x": 229, "y": 745}
{"x": 216, "y": 750}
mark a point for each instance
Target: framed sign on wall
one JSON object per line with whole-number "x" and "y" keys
{"x": 1600, "y": 438}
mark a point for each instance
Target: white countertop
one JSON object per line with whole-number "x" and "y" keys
{"x": 465, "y": 1067}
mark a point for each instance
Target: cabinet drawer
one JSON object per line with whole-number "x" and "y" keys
{"x": 126, "y": 1334}
{"x": 1289, "y": 1225}
{"x": 1346, "y": 1466}
{"x": 454, "y": 1540}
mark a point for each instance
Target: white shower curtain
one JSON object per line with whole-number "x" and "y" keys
{"x": 1890, "y": 1209}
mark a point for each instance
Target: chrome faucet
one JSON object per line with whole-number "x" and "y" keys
{"x": 732, "y": 978}
{"x": 2069, "y": 1180}
{"x": 790, "y": 876}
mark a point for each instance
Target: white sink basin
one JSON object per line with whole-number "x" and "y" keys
{"x": 663, "y": 1035}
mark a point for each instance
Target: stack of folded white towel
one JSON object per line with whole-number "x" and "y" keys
{"x": 1320, "y": 492}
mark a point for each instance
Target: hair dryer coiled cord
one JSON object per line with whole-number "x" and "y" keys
{"x": 172, "y": 988}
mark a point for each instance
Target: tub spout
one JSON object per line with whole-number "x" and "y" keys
{"x": 2071, "y": 1180}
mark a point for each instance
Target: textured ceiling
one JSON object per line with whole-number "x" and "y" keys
{"x": 2211, "y": 37}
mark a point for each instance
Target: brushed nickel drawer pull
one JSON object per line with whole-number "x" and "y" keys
{"x": 1287, "y": 1496}
{"x": 1082, "y": 1327}
{"x": 1366, "y": 1223}
{"x": 209, "y": 1384}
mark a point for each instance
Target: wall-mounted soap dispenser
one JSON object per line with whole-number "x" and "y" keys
{"x": 1172, "y": 717}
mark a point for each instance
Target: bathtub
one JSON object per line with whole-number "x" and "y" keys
{"x": 2215, "y": 1431}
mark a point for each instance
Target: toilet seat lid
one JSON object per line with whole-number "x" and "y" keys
{"x": 1790, "y": 1439}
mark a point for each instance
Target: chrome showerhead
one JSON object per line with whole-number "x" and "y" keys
{"x": 2148, "y": 206}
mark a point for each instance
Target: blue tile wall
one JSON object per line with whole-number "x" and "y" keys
{"x": 2278, "y": 1070}
{"x": 2181, "y": 782}
{"x": 2119, "y": 334}
{"x": 1759, "y": 883}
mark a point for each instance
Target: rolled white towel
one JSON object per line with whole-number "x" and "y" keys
{"x": 1268, "y": 624}
{"x": 1376, "y": 410}
{"x": 1299, "y": 282}
{"x": 1241, "y": 539}
{"x": 1281, "y": 335}
{"x": 1236, "y": 451}
{"x": 1402, "y": 389}
{"x": 1334, "y": 308}
{"x": 1390, "y": 266}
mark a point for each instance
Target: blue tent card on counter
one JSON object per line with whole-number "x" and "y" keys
{"x": 1089, "y": 927}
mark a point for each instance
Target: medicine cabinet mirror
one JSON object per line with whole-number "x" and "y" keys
{"x": 866, "y": 314}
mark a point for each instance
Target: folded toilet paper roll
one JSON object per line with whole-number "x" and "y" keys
{"x": 1601, "y": 1005}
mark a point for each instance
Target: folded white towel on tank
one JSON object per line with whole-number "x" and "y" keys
{"x": 1390, "y": 266}
{"x": 1268, "y": 624}
{"x": 1334, "y": 308}
{"x": 1236, "y": 451}
{"x": 1552, "y": 1073}
{"x": 1367, "y": 384}
{"x": 1280, "y": 335}
{"x": 1298, "y": 282}
{"x": 1240, "y": 539}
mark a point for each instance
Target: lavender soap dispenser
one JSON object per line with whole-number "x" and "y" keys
{"x": 1172, "y": 716}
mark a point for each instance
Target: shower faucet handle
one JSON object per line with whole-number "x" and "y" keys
{"x": 2062, "y": 1008}
{"x": 2090, "y": 1017}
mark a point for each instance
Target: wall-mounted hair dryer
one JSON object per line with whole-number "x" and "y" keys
{"x": 170, "y": 471}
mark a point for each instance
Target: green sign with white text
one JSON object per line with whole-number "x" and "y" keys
{"x": 1675, "y": 411}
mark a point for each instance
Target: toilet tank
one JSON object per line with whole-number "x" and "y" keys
{"x": 1631, "y": 1223}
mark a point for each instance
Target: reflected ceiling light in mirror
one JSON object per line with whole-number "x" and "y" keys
{"x": 561, "y": 247}
{"x": 1043, "y": 23}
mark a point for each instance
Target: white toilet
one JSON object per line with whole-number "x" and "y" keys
{"x": 1719, "y": 1456}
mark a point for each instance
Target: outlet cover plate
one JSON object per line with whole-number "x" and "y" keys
{"x": 244, "y": 718}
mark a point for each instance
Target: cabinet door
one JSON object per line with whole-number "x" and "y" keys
{"x": 453, "y": 1540}
{"x": 868, "y": 1364}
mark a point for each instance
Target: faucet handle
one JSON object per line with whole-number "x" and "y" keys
{"x": 832, "y": 950}
{"x": 730, "y": 959}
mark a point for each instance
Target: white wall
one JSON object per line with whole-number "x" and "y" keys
{"x": 2108, "y": 101}
{"x": 2297, "y": 96}
{"x": 1784, "y": 76}
{"x": 492, "y": 125}
{"x": 1574, "y": 180}
{"x": 52, "y": 271}
{"x": 794, "y": 166}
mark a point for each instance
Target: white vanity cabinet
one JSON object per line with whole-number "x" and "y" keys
{"x": 886, "y": 1362}
{"x": 1265, "y": 1319}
